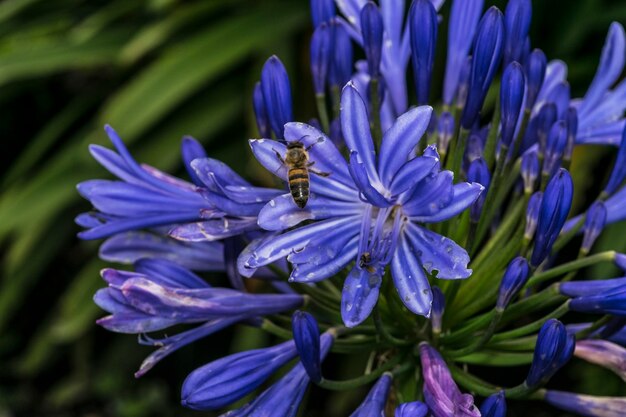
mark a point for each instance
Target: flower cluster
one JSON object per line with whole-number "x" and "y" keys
{"x": 391, "y": 190}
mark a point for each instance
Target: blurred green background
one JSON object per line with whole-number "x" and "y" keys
{"x": 155, "y": 70}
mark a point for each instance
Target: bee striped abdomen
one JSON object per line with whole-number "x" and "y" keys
{"x": 299, "y": 186}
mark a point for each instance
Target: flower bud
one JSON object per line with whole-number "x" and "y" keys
{"x": 306, "y": 335}
{"x": 478, "y": 171}
{"x": 512, "y": 282}
{"x": 535, "y": 73}
{"x": 494, "y": 405}
{"x": 322, "y": 11}
{"x": 610, "y": 301}
{"x": 276, "y": 94}
{"x": 474, "y": 148}
{"x": 571, "y": 122}
{"x": 412, "y": 409}
{"x": 340, "y": 67}
{"x": 423, "y": 25}
{"x": 262, "y": 122}
{"x": 436, "y": 312}
{"x": 557, "y": 140}
{"x": 516, "y": 25}
{"x": 232, "y": 377}
{"x": 372, "y": 31}
{"x": 555, "y": 205}
{"x": 321, "y": 51}
{"x": 586, "y": 405}
{"x": 604, "y": 353}
{"x": 554, "y": 349}
{"x": 619, "y": 169}
{"x": 532, "y": 215}
{"x": 529, "y": 171}
{"x": 545, "y": 120}
{"x": 486, "y": 55}
{"x": 511, "y": 98}
{"x": 588, "y": 288}
{"x": 445, "y": 129}
{"x": 464, "y": 16}
{"x": 594, "y": 223}
{"x": 464, "y": 78}
{"x": 376, "y": 400}
{"x": 192, "y": 149}
{"x": 440, "y": 390}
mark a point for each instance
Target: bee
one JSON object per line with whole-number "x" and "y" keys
{"x": 364, "y": 262}
{"x": 298, "y": 165}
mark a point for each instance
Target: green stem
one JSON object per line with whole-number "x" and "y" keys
{"x": 375, "y": 116}
{"x": 531, "y": 327}
{"x": 320, "y": 100}
{"x": 564, "y": 238}
{"x": 484, "y": 338}
{"x": 595, "y": 326}
{"x": 359, "y": 381}
{"x": 471, "y": 382}
{"x": 520, "y": 135}
{"x": 490, "y": 145}
{"x": 384, "y": 333}
{"x": 608, "y": 256}
{"x": 459, "y": 153}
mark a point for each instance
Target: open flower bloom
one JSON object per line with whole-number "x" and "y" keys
{"x": 368, "y": 211}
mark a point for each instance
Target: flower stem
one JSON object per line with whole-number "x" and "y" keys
{"x": 375, "y": 116}
{"x": 459, "y": 153}
{"x": 384, "y": 333}
{"x": 490, "y": 145}
{"x": 608, "y": 256}
{"x": 320, "y": 100}
{"x": 362, "y": 380}
{"x": 531, "y": 327}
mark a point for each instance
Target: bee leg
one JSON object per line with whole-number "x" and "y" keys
{"x": 319, "y": 140}
{"x": 280, "y": 158}
{"x": 320, "y": 173}
{"x": 310, "y": 164}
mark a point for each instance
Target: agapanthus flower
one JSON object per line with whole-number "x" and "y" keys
{"x": 369, "y": 211}
{"x": 374, "y": 201}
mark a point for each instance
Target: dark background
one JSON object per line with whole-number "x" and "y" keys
{"x": 156, "y": 70}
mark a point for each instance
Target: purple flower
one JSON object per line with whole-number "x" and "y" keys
{"x": 535, "y": 69}
{"x": 557, "y": 140}
{"x": 438, "y": 307}
{"x": 442, "y": 395}
{"x": 586, "y": 405}
{"x": 283, "y": 398}
{"x": 374, "y": 404}
{"x": 162, "y": 294}
{"x": 322, "y": 11}
{"x": 554, "y": 349}
{"x": 262, "y": 121}
{"x": 478, "y": 172}
{"x": 532, "y": 215}
{"x": 619, "y": 168}
{"x": 603, "y": 353}
{"x": 592, "y": 287}
{"x": 367, "y": 211}
{"x": 127, "y": 248}
{"x": 372, "y": 31}
{"x": 529, "y": 170}
{"x": 144, "y": 197}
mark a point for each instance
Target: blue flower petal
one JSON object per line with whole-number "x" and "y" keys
{"x": 355, "y": 126}
{"x": 438, "y": 254}
{"x": 400, "y": 140}
{"x": 282, "y": 213}
{"x": 317, "y": 270}
{"x": 130, "y": 247}
{"x": 214, "y": 229}
{"x": 410, "y": 280}
{"x": 430, "y": 196}
{"x": 359, "y": 174}
{"x": 411, "y": 173}
{"x": 463, "y": 195}
{"x": 359, "y": 295}
{"x": 609, "y": 69}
